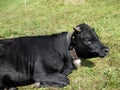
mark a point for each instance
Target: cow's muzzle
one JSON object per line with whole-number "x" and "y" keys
{"x": 101, "y": 52}
{"x": 105, "y": 52}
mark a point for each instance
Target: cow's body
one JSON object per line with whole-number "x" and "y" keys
{"x": 44, "y": 59}
{"x": 28, "y": 59}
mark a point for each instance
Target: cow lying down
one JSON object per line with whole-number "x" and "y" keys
{"x": 46, "y": 60}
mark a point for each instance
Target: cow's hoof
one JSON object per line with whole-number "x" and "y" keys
{"x": 12, "y": 88}
{"x": 3, "y": 89}
{"x": 36, "y": 85}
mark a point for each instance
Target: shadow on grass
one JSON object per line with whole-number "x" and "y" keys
{"x": 88, "y": 63}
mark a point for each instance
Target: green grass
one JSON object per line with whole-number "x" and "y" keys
{"x": 41, "y": 17}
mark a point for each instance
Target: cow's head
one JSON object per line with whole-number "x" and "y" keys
{"x": 87, "y": 43}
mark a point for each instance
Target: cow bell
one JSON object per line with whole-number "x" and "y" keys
{"x": 77, "y": 62}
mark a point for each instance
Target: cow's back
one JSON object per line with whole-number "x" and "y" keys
{"x": 23, "y": 52}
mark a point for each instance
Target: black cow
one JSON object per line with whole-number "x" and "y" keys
{"x": 46, "y": 59}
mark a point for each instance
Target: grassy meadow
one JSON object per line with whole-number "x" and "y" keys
{"x": 40, "y": 17}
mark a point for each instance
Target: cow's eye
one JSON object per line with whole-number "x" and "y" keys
{"x": 88, "y": 41}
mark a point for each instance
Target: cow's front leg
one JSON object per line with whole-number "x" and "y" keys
{"x": 67, "y": 71}
{"x": 54, "y": 80}
{"x": 50, "y": 84}
{"x": 68, "y": 66}
{"x": 46, "y": 84}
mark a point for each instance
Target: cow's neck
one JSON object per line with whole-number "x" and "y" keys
{"x": 71, "y": 48}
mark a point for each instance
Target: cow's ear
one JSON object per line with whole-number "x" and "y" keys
{"x": 77, "y": 29}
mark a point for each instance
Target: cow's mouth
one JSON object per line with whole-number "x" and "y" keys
{"x": 101, "y": 54}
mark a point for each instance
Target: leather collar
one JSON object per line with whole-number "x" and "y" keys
{"x": 71, "y": 48}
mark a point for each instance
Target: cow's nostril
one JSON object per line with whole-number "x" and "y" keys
{"x": 106, "y": 51}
